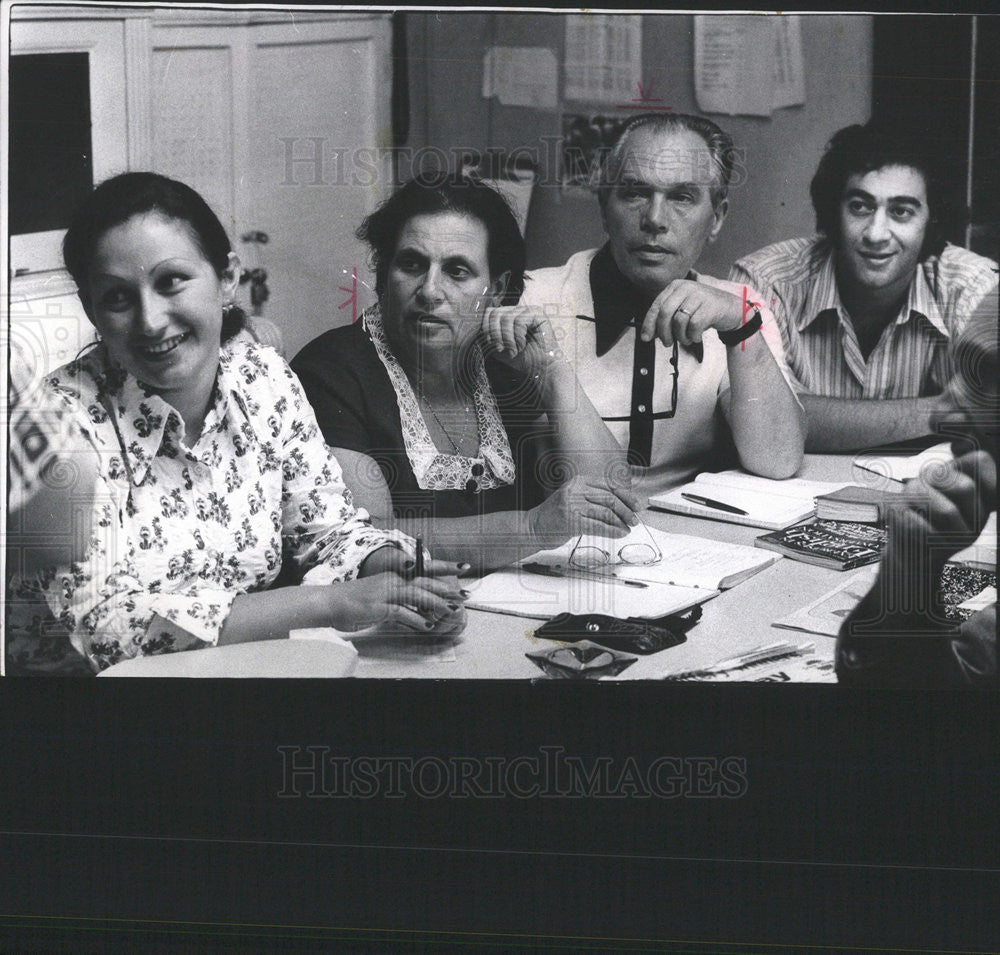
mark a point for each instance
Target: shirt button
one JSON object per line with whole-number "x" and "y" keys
{"x": 643, "y": 372}
{"x": 641, "y": 409}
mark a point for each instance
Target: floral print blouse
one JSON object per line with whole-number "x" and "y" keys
{"x": 159, "y": 547}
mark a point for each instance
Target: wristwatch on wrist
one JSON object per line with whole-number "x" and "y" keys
{"x": 741, "y": 334}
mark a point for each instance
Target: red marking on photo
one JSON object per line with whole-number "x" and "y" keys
{"x": 352, "y": 298}
{"x": 748, "y": 306}
{"x": 646, "y": 99}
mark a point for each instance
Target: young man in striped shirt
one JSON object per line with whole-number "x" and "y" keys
{"x": 869, "y": 309}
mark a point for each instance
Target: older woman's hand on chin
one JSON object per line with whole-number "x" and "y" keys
{"x": 520, "y": 336}
{"x": 584, "y": 505}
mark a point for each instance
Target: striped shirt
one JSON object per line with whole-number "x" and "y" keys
{"x": 912, "y": 358}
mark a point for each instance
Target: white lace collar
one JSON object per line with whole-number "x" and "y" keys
{"x": 433, "y": 470}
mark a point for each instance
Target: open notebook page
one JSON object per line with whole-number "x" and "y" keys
{"x": 686, "y": 561}
{"x": 768, "y": 503}
{"x": 515, "y": 591}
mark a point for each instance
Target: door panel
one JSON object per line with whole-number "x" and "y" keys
{"x": 278, "y": 126}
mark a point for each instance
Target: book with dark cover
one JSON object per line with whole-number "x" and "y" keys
{"x": 839, "y": 545}
{"x": 855, "y": 503}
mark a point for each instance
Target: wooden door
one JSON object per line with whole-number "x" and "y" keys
{"x": 279, "y": 125}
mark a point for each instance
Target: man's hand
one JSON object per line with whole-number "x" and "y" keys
{"x": 685, "y": 310}
{"x": 939, "y": 514}
{"x": 521, "y": 337}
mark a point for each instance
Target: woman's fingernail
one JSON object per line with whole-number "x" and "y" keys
{"x": 409, "y": 564}
{"x": 464, "y": 566}
{"x": 429, "y": 624}
{"x": 453, "y": 607}
{"x": 466, "y": 593}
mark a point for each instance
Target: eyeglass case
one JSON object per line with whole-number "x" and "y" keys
{"x": 631, "y": 635}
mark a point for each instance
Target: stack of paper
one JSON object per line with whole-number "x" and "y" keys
{"x": 685, "y": 561}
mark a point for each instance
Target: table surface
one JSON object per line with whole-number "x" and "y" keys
{"x": 493, "y": 646}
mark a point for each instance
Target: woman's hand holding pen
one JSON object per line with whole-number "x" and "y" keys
{"x": 584, "y": 505}
{"x": 421, "y": 595}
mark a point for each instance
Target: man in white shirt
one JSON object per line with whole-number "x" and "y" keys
{"x": 682, "y": 367}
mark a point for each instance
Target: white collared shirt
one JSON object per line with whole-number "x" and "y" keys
{"x": 697, "y": 437}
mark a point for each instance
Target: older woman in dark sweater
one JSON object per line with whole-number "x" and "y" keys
{"x": 487, "y": 444}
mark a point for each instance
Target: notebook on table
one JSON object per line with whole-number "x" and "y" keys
{"x": 742, "y": 498}
{"x": 684, "y": 561}
{"x": 688, "y": 571}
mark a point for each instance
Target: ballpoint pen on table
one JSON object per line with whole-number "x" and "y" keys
{"x": 708, "y": 502}
{"x": 543, "y": 570}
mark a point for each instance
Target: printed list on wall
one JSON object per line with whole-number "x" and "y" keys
{"x": 603, "y": 57}
{"x": 748, "y": 65}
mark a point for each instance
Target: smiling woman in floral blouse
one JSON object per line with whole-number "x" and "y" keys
{"x": 201, "y": 469}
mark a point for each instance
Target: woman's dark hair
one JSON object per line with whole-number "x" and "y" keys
{"x": 118, "y": 199}
{"x": 431, "y": 193}
{"x": 863, "y": 149}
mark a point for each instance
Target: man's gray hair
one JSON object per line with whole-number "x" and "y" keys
{"x": 719, "y": 143}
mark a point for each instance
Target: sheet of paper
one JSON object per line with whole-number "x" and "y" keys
{"x": 985, "y": 598}
{"x": 603, "y": 58}
{"x": 734, "y": 66}
{"x": 789, "y": 65}
{"x": 521, "y": 76}
{"x": 826, "y": 614}
{"x": 524, "y": 594}
{"x": 982, "y": 553}
{"x": 798, "y": 489}
{"x": 905, "y": 468}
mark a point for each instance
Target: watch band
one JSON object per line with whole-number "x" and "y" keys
{"x": 741, "y": 334}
